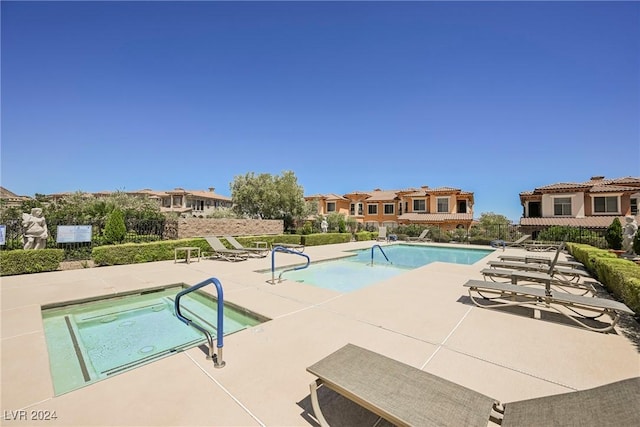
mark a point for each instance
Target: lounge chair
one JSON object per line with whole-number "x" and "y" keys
{"x": 540, "y": 260}
{"x": 255, "y": 252}
{"x": 221, "y": 251}
{"x": 382, "y": 233}
{"x": 421, "y": 238}
{"x": 541, "y": 246}
{"x": 548, "y": 275}
{"x": 293, "y": 246}
{"x": 407, "y": 396}
{"x": 566, "y": 272}
{"x": 503, "y": 244}
{"x": 487, "y": 294}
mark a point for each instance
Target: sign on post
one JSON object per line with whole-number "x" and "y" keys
{"x": 73, "y": 233}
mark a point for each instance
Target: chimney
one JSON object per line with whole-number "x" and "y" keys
{"x": 212, "y": 189}
{"x": 597, "y": 178}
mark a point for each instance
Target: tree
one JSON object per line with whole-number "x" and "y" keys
{"x": 268, "y": 197}
{"x": 115, "y": 230}
{"x": 494, "y": 225}
{"x": 613, "y": 235}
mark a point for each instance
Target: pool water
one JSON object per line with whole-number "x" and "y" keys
{"x": 358, "y": 271}
{"x": 91, "y": 341}
{"x": 414, "y": 256}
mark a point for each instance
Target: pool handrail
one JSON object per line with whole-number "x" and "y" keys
{"x": 273, "y": 263}
{"x": 379, "y": 247}
{"x": 217, "y": 359}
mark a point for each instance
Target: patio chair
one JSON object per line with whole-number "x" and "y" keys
{"x": 254, "y": 252}
{"x": 577, "y": 308}
{"x": 407, "y": 396}
{"x": 540, "y": 260}
{"x": 382, "y": 234}
{"x": 541, "y": 246}
{"x": 552, "y": 268}
{"x": 421, "y": 238}
{"x": 566, "y": 272}
{"x": 293, "y": 246}
{"x": 548, "y": 275}
{"x": 221, "y": 251}
{"x": 503, "y": 244}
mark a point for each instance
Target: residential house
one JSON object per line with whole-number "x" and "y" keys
{"x": 592, "y": 204}
{"x": 447, "y": 208}
{"x": 11, "y": 200}
{"x": 192, "y": 202}
{"x": 184, "y": 202}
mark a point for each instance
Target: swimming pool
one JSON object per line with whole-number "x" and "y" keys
{"x": 356, "y": 272}
{"x": 91, "y": 341}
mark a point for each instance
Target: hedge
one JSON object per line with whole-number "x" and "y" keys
{"x": 325, "y": 239}
{"x": 620, "y": 276}
{"x": 24, "y": 261}
{"x": 135, "y": 253}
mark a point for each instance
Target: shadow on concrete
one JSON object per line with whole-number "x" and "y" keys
{"x": 339, "y": 411}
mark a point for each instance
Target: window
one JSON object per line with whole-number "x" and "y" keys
{"x": 443, "y": 204}
{"x": 389, "y": 208}
{"x": 634, "y": 207}
{"x": 562, "y": 206}
{"x": 359, "y": 208}
{"x": 419, "y": 205}
{"x": 198, "y": 205}
{"x": 331, "y": 206}
{"x": 605, "y": 204}
{"x": 355, "y": 207}
{"x": 372, "y": 209}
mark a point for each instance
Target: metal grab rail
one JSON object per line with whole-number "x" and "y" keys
{"x": 217, "y": 359}
{"x": 385, "y": 255}
{"x": 273, "y": 263}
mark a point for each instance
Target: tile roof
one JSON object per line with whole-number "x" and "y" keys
{"x": 382, "y": 196}
{"x": 443, "y": 190}
{"x": 435, "y": 217}
{"x": 610, "y": 188}
{"x": 586, "y": 222}
{"x": 597, "y": 182}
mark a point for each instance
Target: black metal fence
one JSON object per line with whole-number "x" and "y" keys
{"x": 138, "y": 231}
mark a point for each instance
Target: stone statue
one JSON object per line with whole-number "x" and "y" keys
{"x": 628, "y": 233}
{"x": 324, "y": 225}
{"x": 35, "y": 229}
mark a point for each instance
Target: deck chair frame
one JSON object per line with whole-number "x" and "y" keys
{"x": 222, "y": 252}
{"x": 493, "y": 295}
{"x": 253, "y": 252}
{"x": 422, "y": 237}
{"x": 293, "y": 246}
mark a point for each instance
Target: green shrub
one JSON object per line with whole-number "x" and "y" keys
{"x": 621, "y": 277}
{"x": 134, "y": 253}
{"x": 325, "y": 239}
{"x": 115, "y": 229}
{"x": 21, "y": 261}
{"x": 365, "y": 235}
{"x": 613, "y": 235}
{"x": 636, "y": 243}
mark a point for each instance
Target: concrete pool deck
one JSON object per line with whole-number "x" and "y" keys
{"x": 423, "y": 318}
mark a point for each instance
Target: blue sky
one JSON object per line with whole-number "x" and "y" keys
{"x": 490, "y": 97}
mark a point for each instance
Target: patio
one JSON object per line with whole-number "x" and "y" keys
{"x": 423, "y": 318}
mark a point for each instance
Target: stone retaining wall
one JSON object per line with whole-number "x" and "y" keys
{"x": 200, "y": 227}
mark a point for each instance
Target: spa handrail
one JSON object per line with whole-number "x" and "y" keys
{"x": 379, "y": 247}
{"x": 217, "y": 359}
{"x": 273, "y": 263}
